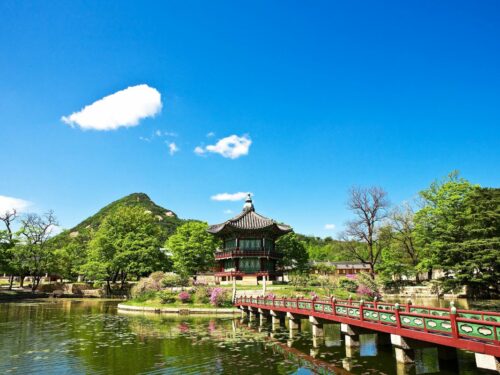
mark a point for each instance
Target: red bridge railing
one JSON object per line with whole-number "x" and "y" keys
{"x": 477, "y": 326}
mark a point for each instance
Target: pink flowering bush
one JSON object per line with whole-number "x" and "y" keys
{"x": 219, "y": 297}
{"x": 313, "y": 295}
{"x": 184, "y": 297}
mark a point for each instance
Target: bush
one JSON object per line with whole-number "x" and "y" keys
{"x": 145, "y": 296}
{"x": 202, "y": 294}
{"x": 368, "y": 287}
{"x": 348, "y": 284}
{"x": 167, "y": 297}
{"x": 220, "y": 297}
{"x": 157, "y": 276}
{"x": 184, "y": 297}
{"x": 171, "y": 280}
{"x": 146, "y": 284}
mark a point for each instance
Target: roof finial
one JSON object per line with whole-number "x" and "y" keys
{"x": 248, "y": 206}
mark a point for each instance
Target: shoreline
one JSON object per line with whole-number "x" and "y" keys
{"x": 178, "y": 310}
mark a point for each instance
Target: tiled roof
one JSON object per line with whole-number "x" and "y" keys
{"x": 249, "y": 220}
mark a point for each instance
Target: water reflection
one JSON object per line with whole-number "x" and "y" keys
{"x": 89, "y": 337}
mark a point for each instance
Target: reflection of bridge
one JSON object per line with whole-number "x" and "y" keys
{"x": 405, "y": 326}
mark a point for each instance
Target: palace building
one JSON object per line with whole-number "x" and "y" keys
{"x": 248, "y": 252}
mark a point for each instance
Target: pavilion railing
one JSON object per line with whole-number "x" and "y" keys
{"x": 456, "y": 323}
{"x": 253, "y": 252}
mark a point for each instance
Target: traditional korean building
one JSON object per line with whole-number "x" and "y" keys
{"x": 248, "y": 252}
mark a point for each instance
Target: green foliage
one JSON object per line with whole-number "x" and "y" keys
{"x": 127, "y": 243}
{"x": 459, "y": 231}
{"x": 294, "y": 252}
{"x": 348, "y": 284}
{"x": 147, "y": 296}
{"x": 166, "y": 296}
{"x": 77, "y": 238}
{"x": 192, "y": 248}
{"x": 202, "y": 294}
{"x": 171, "y": 279}
{"x": 326, "y": 249}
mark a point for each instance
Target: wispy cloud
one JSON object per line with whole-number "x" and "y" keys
{"x": 172, "y": 148}
{"x": 330, "y": 226}
{"x": 8, "y": 204}
{"x": 231, "y": 147}
{"x": 210, "y": 134}
{"x": 228, "y": 212}
{"x": 229, "y": 197}
{"x": 124, "y": 108}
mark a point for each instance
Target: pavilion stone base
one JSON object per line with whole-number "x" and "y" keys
{"x": 245, "y": 280}
{"x": 488, "y": 362}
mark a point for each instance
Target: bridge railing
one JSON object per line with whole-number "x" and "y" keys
{"x": 467, "y": 324}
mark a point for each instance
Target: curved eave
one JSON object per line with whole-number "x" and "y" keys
{"x": 279, "y": 229}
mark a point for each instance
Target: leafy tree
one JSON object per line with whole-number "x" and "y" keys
{"x": 7, "y": 243}
{"x": 192, "y": 248}
{"x": 295, "y": 256}
{"x": 401, "y": 256}
{"x": 441, "y": 220}
{"x": 33, "y": 254}
{"x": 369, "y": 205}
{"x": 126, "y": 244}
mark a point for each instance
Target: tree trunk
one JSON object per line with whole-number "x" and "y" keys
{"x": 21, "y": 281}
{"x": 35, "y": 283}
{"x": 11, "y": 281}
{"x": 108, "y": 287}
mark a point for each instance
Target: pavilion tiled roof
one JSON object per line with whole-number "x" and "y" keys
{"x": 248, "y": 219}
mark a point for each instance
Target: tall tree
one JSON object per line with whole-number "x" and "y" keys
{"x": 126, "y": 244}
{"x": 369, "y": 205}
{"x": 403, "y": 249}
{"x": 441, "y": 220}
{"x": 33, "y": 252}
{"x": 295, "y": 255}
{"x": 7, "y": 243}
{"x": 192, "y": 248}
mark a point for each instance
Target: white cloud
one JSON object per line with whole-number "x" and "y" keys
{"x": 172, "y": 148}
{"x": 8, "y": 204}
{"x": 124, "y": 108}
{"x": 330, "y": 226}
{"x": 228, "y": 212}
{"x": 231, "y": 147}
{"x": 210, "y": 134}
{"x": 229, "y": 197}
{"x": 199, "y": 150}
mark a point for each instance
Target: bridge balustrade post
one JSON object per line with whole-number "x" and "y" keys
{"x": 408, "y": 305}
{"x": 375, "y": 299}
{"x": 334, "y": 301}
{"x": 453, "y": 322}
{"x": 396, "y": 312}
{"x": 361, "y": 308}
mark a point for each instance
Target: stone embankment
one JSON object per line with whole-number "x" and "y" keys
{"x": 179, "y": 310}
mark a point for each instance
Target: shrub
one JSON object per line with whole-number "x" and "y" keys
{"x": 157, "y": 276}
{"x": 349, "y": 285}
{"x": 368, "y": 287}
{"x": 145, "y": 296}
{"x": 146, "y": 284}
{"x": 202, "y": 294}
{"x": 167, "y": 297}
{"x": 184, "y": 297}
{"x": 171, "y": 280}
{"x": 220, "y": 297}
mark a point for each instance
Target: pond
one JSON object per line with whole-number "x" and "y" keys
{"x": 91, "y": 337}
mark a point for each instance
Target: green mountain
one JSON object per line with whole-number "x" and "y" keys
{"x": 166, "y": 219}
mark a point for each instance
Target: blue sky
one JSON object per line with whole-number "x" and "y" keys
{"x": 330, "y": 95}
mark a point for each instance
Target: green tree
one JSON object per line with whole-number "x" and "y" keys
{"x": 126, "y": 244}
{"x": 475, "y": 261}
{"x": 441, "y": 220}
{"x": 192, "y": 248}
{"x": 7, "y": 243}
{"x": 32, "y": 253}
{"x": 295, "y": 256}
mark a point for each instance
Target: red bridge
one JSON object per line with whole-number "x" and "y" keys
{"x": 409, "y": 326}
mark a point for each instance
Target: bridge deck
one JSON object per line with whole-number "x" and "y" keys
{"x": 477, "y": 331}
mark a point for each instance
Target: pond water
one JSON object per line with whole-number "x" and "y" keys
{"x": 91, "y": 337}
